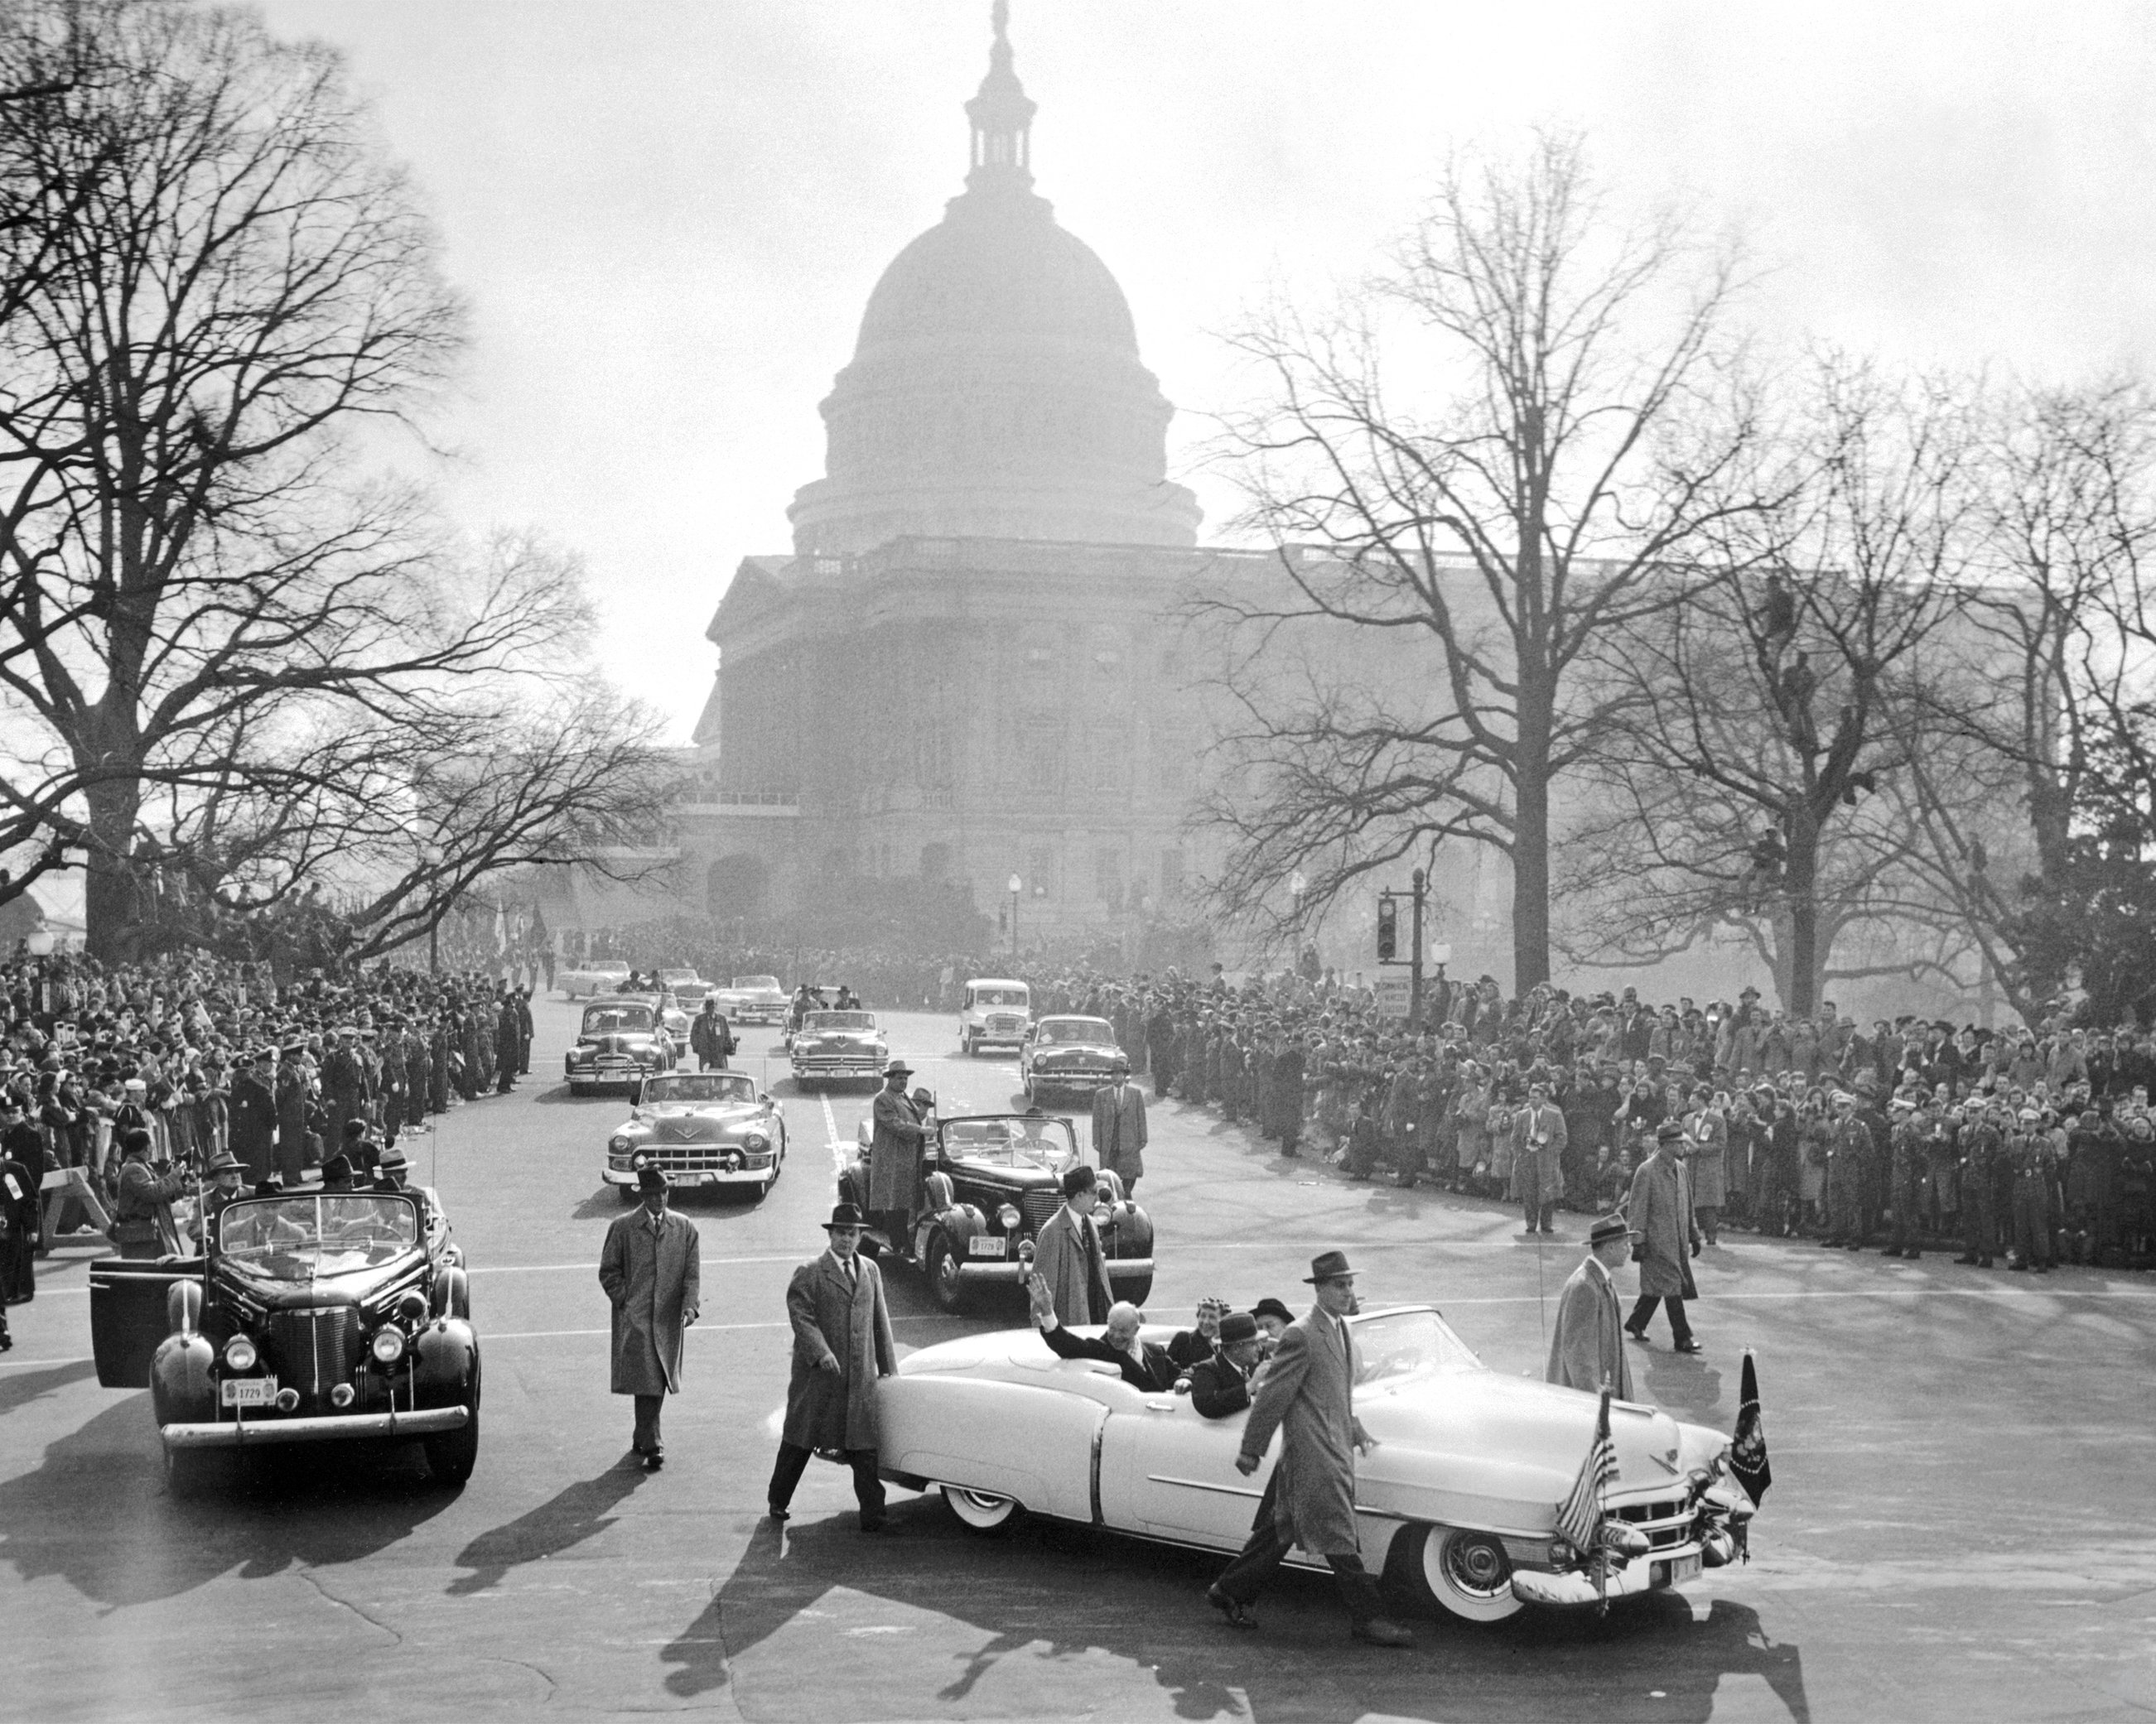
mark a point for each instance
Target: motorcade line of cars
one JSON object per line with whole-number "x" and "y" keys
{"x": 620, "y": 1041}
{"x": 752, "y": 999}
{"x": 713, "y": 1129}
{"x": 311, "y": 1316}
{"x": 598, "y": 976}
{"x": 1067, "y": 1055}
{"x": 1457, "y": 1505}
{"x": 838, "y": 1047}
{"x": 994, "y": 1012}
{"x": 988, "y": 1182}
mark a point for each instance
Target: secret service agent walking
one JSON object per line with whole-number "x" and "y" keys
{"x": 842, "y": 1344}
{"x": 648, "y": 1268}
{"x": 1307, "y": 1394}
{"x": 1586, "y": 1346}
{"x": 1659, "y": 1210}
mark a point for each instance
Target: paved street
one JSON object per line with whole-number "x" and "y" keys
{"x": 1961, "y": 1525}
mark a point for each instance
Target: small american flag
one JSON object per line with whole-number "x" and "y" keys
{"x": 1579, "y": 1516}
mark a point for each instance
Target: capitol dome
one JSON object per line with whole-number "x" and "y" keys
{"x": 995, "y": 390}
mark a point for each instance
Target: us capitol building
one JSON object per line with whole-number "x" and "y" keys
{"x": 966, "y": 668}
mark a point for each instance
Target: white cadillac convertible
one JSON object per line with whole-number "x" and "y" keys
{"x": 1458, "y": 1504}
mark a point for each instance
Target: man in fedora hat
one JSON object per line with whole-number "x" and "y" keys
{"x": 1659, "y": 1207}
{"x": 1587, "y": 1346}
{"x": 1067, "y": 1256}
{"x": 1307, "y": 1394}
{"x": 650, "y": 1269}
{"x": 895, "y": 1151}
{"x": 842, "y": 1343}
{"x": 1220, "y": 1386}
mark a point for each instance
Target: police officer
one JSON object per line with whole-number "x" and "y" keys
{"x": 1982, "y": 1145}
{"x": 2027, "y": 1159}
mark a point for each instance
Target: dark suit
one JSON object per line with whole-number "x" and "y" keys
{"x": 1157, "y": 1375}
{"x": 842, "y": 1317}
{"x": 253, "y": 1114}
{"x": 1220, "y": 1389}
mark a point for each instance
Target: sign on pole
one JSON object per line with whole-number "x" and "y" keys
{"x": 1392, "y": 995}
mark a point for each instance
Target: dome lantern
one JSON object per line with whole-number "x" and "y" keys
{"x": 1001, "y": 115}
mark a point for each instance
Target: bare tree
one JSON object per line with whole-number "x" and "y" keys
{"x": 218, "y": 284}
{"x": 1512, "y": 440}
{"x": 1750, "y": 724}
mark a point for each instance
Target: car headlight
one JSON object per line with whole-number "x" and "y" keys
{"x": 618, "y": 1146}
{"x": 239, "y": 1354}
{"x": 1008, "y": 1216}
{"x": 387, "y": 1345}
{"x": 756, "y": 1140}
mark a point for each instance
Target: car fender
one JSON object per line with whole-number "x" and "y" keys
{"x": 181, "y": 1388}
{"x": 1132, "y": 1232}
{"x": 444, "y": 1355}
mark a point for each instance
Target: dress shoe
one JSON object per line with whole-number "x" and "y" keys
{"x": 777, "y": 1513}
{"x": 653, "y": 1461}
{"x": 1638, "y": 1335}
{"x": 873, "y": 1523}
{"x": 1689, "y": 1347}
{"x": 1239, "y": 1614}
{"x": 1968, "y": 1257}
{"x": 1381, "y": 1631}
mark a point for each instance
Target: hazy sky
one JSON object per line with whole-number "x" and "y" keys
{"x": 669, "y": 213}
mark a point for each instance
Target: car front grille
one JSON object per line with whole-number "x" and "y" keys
{"x": 1037, "y": 1205}
{"x": 698, "y": 1158}
{"x": 314, "y": 1351}
{"x": 1666, "y": 1521}
{"x": 1005, "y": 1026}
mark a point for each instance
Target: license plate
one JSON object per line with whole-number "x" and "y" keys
{"x": 981, "y": 1246}
{"x": 248, "y": 1392}
{"x": 1684, "y": 1568}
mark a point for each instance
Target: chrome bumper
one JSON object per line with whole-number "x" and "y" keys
{"x": 997, "y": 1269}
{"x": 335, "y": 1428}
{"x": 695, "y": 1176}
{"x": 1575, "y": 1587}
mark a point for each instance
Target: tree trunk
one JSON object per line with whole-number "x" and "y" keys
{"x": 111, "y": 898}
{"x": 1530, "y": 880}
{"x": 1800, "y": 890}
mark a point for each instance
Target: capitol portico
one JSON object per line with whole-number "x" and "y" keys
{"x": 965, "y": 668}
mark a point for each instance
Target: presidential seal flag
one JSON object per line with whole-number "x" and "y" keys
{"x": 1579, "y": 1516}
{"x": 1748, "y": 1447}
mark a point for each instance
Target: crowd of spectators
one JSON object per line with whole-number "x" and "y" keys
{"x": 2028, "y": 1147}
{"x": 124, "y": 1090}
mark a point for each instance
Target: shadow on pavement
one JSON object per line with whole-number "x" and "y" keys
{"x": 583, "y": 1511}
{"x": 18, "y": 1388}
{"x": 1052, "y": 1592}
{"x": 97, "y": 1513}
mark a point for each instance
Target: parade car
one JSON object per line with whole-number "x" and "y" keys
{"x": 837, "y": 1045}
{"x": 621, "y": 1043}
{"x": 753, "y": 999}
{"x": 711, "y": 1128}
{"x": 1457, "y": 1505}
{"x": 313, "y": 1317}
{"x": 687, "y": 988}
{"x": 995, "y": 1014}
{"x": 1069, "y": 1056}
{"x": 990, "y": 1181}
{"x": 600, "y": 976}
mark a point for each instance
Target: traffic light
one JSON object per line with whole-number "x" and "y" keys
{"x": 1389, "y": 928}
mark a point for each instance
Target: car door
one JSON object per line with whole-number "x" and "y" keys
{"x": 1167, "y": 1471}
{"x": 129, "y": 1315}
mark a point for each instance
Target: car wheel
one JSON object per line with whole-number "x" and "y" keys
{"x": 982, "y": 1511}
{"x": 1463, "y": 1573}
{"x": 451, "y": 1456}
{"x": 944, "y": 1280}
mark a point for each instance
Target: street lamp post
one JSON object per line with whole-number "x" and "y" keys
{"x": 1016, "y": 885}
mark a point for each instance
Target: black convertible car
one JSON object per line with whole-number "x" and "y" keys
{"x": 991, "y": 1180}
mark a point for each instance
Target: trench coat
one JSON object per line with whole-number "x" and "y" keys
{"x": 1538, "y": 1170}
{"x": 1119, "y": 1131}
{"x": 1308, "y": 1395}
{"x": 833, "y": 1320}
{"x": 1708, "y": 1166}
{"x": 253, "y": 1113}
{"x": 1075, "y": 1271}
{"x": 894, "y": 1154}
{"x": 1587, "y": 1344}
{"x": 655, "y": 1289}
{"x": 1659, "y": 1207}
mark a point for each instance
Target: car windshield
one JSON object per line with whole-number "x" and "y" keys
{"x": 674, "y": 976}
{"x": 680, "y": 1086}
{"x": 1012, "y": 1141}
{"x": 756, "y": 984}
{"x": 608, "y": 967}
{"x": 296, "y": 1239}
{"x": 839, "y": 1020}
{"x": 617, "y": 1018}
{"x": 999, "y": 996}
{"x": 1395, "y": 1345}
{"x": 1065, "y": 1031}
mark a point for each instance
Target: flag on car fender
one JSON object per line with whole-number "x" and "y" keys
{"x": 1748, "y": 1447}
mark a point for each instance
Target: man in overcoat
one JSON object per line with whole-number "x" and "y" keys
{"x": 1540, "y": 1136}
{"x": 1067, "y": 1258}
{"x": 1659, "y": 1210}
{"x": 1119, "y": 1128}
{"x": 1307, "y": 1394}
{"x": 842, "y": 1344}
{"x": 649, "y": 1267}
{"x": 253, "y": 1114}
{"x": 1587, "y": 1344}
{"x": 709, "y": 1038}
{"x": 895, "y": 1151}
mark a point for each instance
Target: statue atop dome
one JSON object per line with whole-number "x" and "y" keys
{"x": 1001, "y": 116}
